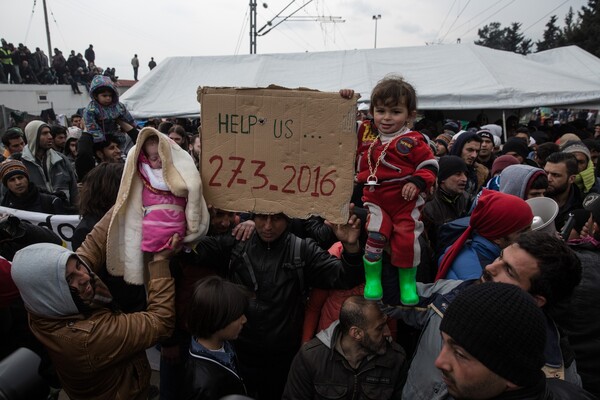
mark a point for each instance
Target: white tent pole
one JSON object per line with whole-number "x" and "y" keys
{"x": 504, "y": 125}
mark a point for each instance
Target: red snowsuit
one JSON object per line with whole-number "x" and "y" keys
{"x": 408, "y": 158}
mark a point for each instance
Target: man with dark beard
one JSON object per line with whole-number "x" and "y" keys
{"x": 561, "y": 169}
{"x": 335, "y": 363}
{"x": 538, "y": 263}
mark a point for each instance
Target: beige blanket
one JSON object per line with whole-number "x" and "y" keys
{"x": 123, "y": 248}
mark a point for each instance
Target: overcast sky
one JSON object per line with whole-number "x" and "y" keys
{"x": 165, "y": 28}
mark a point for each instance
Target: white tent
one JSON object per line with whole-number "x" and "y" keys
{"x": 572, "y": 60}
{"x": 447, "y": 77}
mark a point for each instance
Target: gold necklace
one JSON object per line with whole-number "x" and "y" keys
{"x": 372, "y": 178}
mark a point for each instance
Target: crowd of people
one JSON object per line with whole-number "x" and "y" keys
{"x": 20, "y": 65}
{"x": 468, "y": 267}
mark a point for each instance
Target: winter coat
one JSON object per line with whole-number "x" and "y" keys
{"x": 580, "y": 318}
{"x": 441, "y": 209}
{"x": 207, "y": 378}
{"x": 130, "y": 298}
{"x": 278, "y": 274}
{"x": 34, "y": 201}
{"x": 472, "y": 259}
{"x": 101, "y": 355}
{"x": 319, "y": 371}
{"x": 102, "y": 120}
{"x": 61, "y": 176}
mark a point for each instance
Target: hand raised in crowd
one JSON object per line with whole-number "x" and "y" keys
{"x": 349, "y": 232}
{"x": 243, "y": 230}
{"x": 347, "y": 93}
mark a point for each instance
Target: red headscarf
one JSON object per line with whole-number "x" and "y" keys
{"x": 495, "y": 216}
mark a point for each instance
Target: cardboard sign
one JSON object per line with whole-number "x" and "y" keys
{"x": 278, "y": 150}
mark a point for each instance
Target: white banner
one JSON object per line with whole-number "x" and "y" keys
{"x": 62, "y": 225}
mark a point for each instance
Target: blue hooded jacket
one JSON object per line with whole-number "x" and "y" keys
{"x": 102, "y": 120}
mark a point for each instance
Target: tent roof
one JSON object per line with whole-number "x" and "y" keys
{"x": 570, "y": 59}
{"x": 447, "y": 77}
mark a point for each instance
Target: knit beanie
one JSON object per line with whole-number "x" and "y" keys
{"x": 500, "y": 325}
{"x": 496, "y": 130}
{"x": 573, "y": 146}
{"x": 502, "y": 162}
{"x": 485, "y": 134}
{"x": 451, "y": 126}
{"x": 567, "y": 137}
{"x": 516, "y": 145}
{"x": 450, "y": 165}
{"x": 444, "y": 139}
{"x": 10, "y": 168}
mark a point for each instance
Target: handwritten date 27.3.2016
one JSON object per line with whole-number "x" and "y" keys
{"x": 297, "y": 179}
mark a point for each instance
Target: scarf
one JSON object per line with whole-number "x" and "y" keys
{"x": 496, "y": 215}
{"x": 586, "y": 179}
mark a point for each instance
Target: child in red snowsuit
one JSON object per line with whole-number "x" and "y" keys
{"x": 395, "y": 169}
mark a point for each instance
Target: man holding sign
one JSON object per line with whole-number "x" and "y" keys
{"x": 274, "y": 151}
{"x": 278, "y": 267}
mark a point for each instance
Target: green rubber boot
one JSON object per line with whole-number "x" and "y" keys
{"x": 373, "y": 289}
{"x": 408, "y": 286}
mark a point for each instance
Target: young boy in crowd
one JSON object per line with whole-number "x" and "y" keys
{"x": 395, "y": 169}
{"x": 104, "y": 111}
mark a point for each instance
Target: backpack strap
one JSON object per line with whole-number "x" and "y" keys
{"x": 239, "y": 251}
{"x": 296, "y": 257}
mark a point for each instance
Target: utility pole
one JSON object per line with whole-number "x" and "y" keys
{"x": 376, "y": 18}
{"x": 48, "y": 33}
{"x": 272, "y": 24}
{"x": 252, "y": 26}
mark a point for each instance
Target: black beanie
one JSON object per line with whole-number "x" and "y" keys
{"x": 501, "y": 326}
{"x": 516, "y": 145}
{"x": 449, "y": 165}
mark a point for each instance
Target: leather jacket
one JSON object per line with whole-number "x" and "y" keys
{"x": 278, "y": 280}
{"x": 103, "y": 355}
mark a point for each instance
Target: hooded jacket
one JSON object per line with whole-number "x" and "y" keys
{"x": 101, "y": 120}
{"x": 58, "y": 175}
{"x": 517, "y": 179}
{"x": 477, "y": 173}
{"x": 100, "y": 355}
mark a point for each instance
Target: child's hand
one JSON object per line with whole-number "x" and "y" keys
{"x": 347, "y": 93}
{"x": 410, "y": 191}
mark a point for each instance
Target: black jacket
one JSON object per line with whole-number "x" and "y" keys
{"x": 278, "y": 275}
{"x": 319, "y": 371}
{"x": 580, "y": 318}
{"x": 208, "y": 379}
{"x": 35, "y": 201}
{"x": 548, "y": 389}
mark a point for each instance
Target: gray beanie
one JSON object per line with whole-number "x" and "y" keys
{"x": 573, "y": 146}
